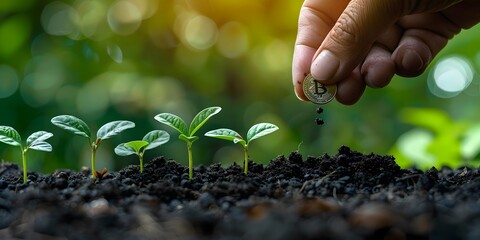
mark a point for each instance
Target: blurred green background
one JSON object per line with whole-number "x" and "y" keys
{"x": 104, "y": 60}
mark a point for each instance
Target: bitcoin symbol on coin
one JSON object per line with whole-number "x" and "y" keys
{"x": 317, "y": 92}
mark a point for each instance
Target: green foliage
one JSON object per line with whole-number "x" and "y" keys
{"x": 436, "y": 141}
{"x": 130, "y": 148}
{"x": 80, "y": 128}
{"x": 36, "y": 141}
{"x": 151, "y": 140}
{"x": 256, "y": 131}
{"x": 10, "y": 136}
{"x": 113, "y": 128}
{"x": 187, "y": 133}
{"x": 72, "y": 124}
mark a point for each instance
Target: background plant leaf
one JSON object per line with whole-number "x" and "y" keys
{"x": 113, "y": 128}
{"x": 156, "y": 138}
{"x": 36, "y": 141}
{"x": 226, "y": 134}
{"x": 72, "y": 124}
{"x": 173, "y": 121}
{"x": 431, "y": 119}
{"x": 10, "y": 136}
{"x": 470, "y": 145}
{"x": 260, "y": 130}
{"x": 201, "y": 118}
{"x": 124, "y": 150}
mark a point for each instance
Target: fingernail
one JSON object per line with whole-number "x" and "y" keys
{"x": 412, "y": 61}
{"x": 325, "y": 66}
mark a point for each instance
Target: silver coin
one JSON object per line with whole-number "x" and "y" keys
{"x": 317, "y": 92}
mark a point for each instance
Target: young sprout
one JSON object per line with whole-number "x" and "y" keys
{"x": 80, "y": 128}
{"x": 186, "y": 133}
{"x": 152, "y": 140}
{"x": 256, "y": 131}
{"x": 36, "y": 141}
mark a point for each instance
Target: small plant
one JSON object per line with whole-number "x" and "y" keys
{"x": 80, "y": 128}
{"x": 151, "y": 140}
{"x": 36, "y": 141}
{"x": 186, "y": 133}
{"x": 256, "y": 131}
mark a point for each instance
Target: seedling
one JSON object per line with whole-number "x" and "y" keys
{"x": 36, "y": 141}
{"x": 186, "y": 134}
{"x": 152, "y": 140}
{"x": 256, "y": 131}
{"x": 80, "y": 128}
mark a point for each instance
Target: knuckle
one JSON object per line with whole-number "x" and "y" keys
{"x": 346, "y": 28}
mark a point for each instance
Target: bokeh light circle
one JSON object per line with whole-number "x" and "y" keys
{"x": 9, "y": 81}
{"x": 232, "y": 40}
{"x": 59, "y": 19}
{"x": 200, "y": 32}
{"x": 124, "y": 17}
{"x": 450, "y": 76}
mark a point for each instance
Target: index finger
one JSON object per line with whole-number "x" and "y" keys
{"x": 317, "y": 17}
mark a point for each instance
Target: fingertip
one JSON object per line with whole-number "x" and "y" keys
{"x": 377, "y": 73}
{"x": 412, "y": 57}
{"x": 325, "y": 66}
{"x": 351, "y": 89}
{"x": 411, "y": 63}
{"x": 298, "y": 90}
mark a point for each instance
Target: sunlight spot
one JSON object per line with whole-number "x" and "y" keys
{"x": 58, "y": 19}
{"x": 450, "y": 77}
{"x": 147, "y": 8}
{"x": 232, "y": 40}
{"x": 92, "y": 18}
{"x": 200, "y": 32}
{"x": 277, "y": 55}
{"x": 9, "y": 81}
{"x": 44, "y": 76}
{"x": 124, "y": 18}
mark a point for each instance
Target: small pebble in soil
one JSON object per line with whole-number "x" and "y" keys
{"x": 3, "y": 184}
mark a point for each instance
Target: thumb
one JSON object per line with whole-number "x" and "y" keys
{"x": 358, "y": 27}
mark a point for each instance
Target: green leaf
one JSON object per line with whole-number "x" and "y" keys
{"x": 124, "y": 150}
{"x": 201, "y": 118}
{"x": 173, "y": 121}
{"x": 189, "y": 139}
{"x": 431, "y": 119}
{"x": 470, "y": 144}
{"x": 10, "y": 136}
{"x": 41, "y": 146}
{"x": 260, "y": 130}
{"x": 226, "y": 134}
{"x": 72, "y": 124}
{"x": 137, "y": 145}
{"x": 156, "y": 138}
{"x": 36, "y": 141}
{"x": 113, "y": 128}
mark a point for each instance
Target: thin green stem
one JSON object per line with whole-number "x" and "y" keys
{"x": 245, "y": 169}
{"x": 190, "y": 161}
{"x": 94, "y": 150}
{"x": 140, "y": 156}
{"x": 24, "y": 162}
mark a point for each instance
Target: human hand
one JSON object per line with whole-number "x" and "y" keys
{"x": 361, "y": 43}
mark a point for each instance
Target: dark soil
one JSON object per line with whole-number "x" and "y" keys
{"x": 346, "y": 196}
